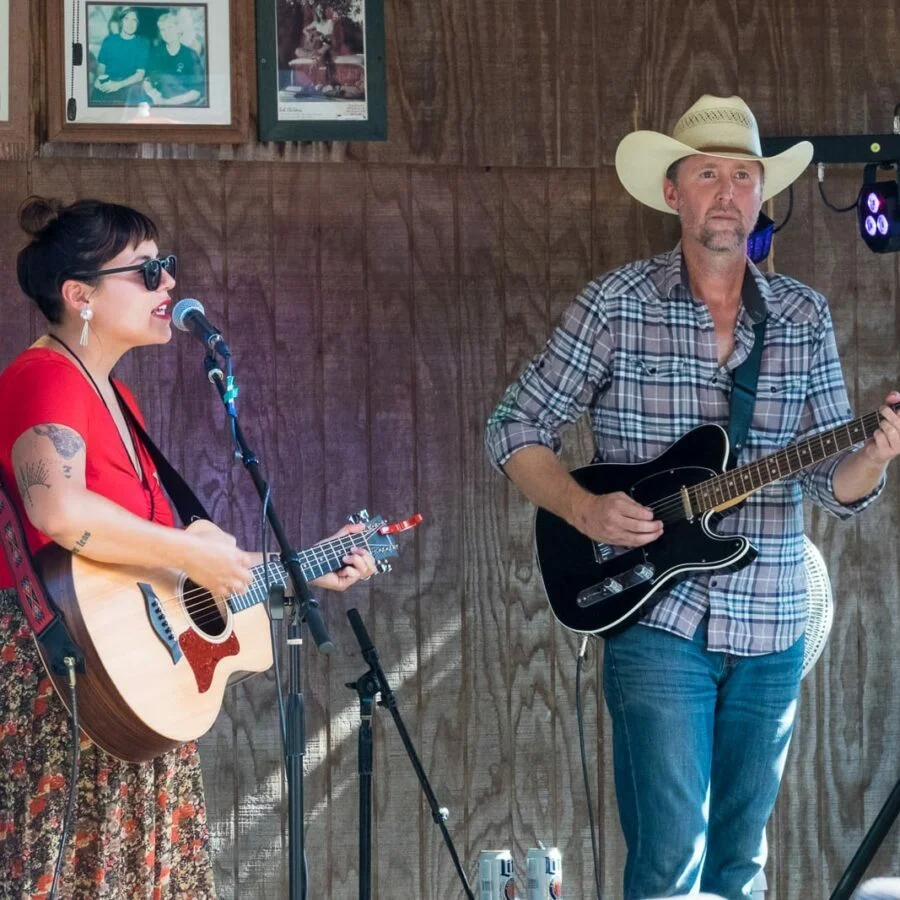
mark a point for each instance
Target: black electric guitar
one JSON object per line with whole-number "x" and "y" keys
{"x": 601, "y": 589}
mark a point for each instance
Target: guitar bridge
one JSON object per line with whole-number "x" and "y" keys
{"x": 610, "y": 587}
{"x": 159, "y": 622}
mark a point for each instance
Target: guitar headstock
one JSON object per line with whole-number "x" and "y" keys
{"x": 377, "y": 536}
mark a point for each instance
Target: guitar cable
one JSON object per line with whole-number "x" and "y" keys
{"x": 73, "y": 777}
{"x": 579, "y": 712}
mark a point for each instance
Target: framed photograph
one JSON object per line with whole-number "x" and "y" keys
{"x": 146, "y": 71}
{"x": 15, "y": 79}
{"x": 320, "y": 70}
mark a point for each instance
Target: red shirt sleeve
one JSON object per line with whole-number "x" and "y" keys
{"x": 43, "y": 387}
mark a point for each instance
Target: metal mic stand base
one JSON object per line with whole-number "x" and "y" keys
{"x": 367, "y": 688}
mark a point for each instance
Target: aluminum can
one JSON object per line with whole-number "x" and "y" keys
{"x": 496, "y": 876}
{"x": 544, "y": 871}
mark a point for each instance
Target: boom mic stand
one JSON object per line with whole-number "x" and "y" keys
{"x": 368, "y": 686}
{"x": 304, "y": 608}
{"x": 869, "y": 846}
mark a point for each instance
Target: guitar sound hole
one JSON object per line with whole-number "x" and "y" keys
{"x": 207, "y": 614}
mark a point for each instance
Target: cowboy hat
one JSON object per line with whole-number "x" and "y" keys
{"x": 713, "y": 126}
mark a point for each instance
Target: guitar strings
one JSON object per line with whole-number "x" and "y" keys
{"x": 199, "y": 598}
{"x": 724, "y": 482}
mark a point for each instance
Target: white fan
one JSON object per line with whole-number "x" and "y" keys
{"x": 821, "y": 606}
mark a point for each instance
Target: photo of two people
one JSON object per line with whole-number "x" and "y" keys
{"x": 147, "y": 54}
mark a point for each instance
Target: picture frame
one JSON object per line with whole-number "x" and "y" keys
{"x": 15, "y": 80}
{"x": 321, "y": 70}
{"x": 150, "y": 71}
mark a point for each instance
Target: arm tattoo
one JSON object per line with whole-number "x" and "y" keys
{"x": 32, "y": 474}
{"x": 79, "y": 544}
{"x": 66, "y": 441}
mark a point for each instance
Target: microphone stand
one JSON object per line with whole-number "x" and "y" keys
{"x": 367, "y": 686}
{"x": 869, "y": 846}
{"x": 304, "y": 608}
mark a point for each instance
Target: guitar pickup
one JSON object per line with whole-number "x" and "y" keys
{"x": 610, "y": 587}
{"x": 159, "y": 623}
{"x": 603, "y": 552}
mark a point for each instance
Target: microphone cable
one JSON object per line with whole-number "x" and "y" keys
{"x": 73, "y": 778}
{"x": 579, "y": 712}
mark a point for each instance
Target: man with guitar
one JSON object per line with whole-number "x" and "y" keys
{"x": 75, "y": 463}
{"x": 704, "y": 618}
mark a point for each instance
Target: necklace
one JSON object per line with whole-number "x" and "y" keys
{"x": 138, "y": 468}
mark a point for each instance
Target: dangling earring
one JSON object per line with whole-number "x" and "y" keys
{"x": 86, "y": 314}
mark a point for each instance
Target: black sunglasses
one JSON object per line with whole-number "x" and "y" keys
{"x": 152, "y": 271}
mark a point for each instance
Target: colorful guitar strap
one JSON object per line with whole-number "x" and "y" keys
{"x": 42, "y": 617}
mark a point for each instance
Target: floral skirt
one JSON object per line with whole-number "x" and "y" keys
{"x": 140, "y": 830}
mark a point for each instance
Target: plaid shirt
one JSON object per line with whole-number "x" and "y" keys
{"x": 639, "y": 352}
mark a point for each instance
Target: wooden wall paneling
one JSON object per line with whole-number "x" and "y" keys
{"x": 570, "y": 229}
{"x": 535, "y": 98}
{"x": 714, "y": 60}
{"x": 154, "y": 191}
{"x": 796, "y": 863}
{"x": 485, "y": 559}
{"x": 584, "y": 36}
{"x": 251, "y": 710}
{"x": 666, "y": 80}
{"x": 444, "y": 647}
{"x": 875, "y": 90}
{"x": 833, "y": 252}
{"x": 526, "y": 230}
{"x": 300, "y": 438}
{"x": 347, "y": 487}
{"x": 879, "y": 585}
{"x": 20, "y": 314}
{"x": 391, "y": 612}
{"x": 482, "y": 78}
{"x": 419, "y": 86}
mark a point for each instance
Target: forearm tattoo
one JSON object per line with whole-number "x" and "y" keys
{"x": 79, "y": 544}
{"x": 66, "y": 441}
{"x": 31, "y": 475}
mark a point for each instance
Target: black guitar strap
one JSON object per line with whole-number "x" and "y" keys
{"x": 746, "y": 375}
{"x": 184, "y": 499}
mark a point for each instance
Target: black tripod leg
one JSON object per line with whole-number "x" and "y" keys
{"x": 869, "y": 846}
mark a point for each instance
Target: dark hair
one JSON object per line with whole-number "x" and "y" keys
{"x": 672, "y": 171}
{"x": 69, "y": 240}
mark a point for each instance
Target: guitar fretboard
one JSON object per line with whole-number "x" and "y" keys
{"x": 736, "y": 483}
{"x": 314, "y": 563}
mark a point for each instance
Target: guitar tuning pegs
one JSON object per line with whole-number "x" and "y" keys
{"x": 361, "y": 516}
{"x": 383, "y": 567}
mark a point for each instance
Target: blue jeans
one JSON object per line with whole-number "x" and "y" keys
{"x": 699, "y": 744}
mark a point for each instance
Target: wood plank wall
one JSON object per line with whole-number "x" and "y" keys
{"x": 378, "y": 298}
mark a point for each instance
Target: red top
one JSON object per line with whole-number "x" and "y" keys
{"x": 42, "y": 387}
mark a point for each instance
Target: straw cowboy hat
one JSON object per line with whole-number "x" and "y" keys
{"x": 713, "y": 126}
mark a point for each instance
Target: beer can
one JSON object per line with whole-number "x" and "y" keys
{"x": 495, "y": 874}
{"x": 544, "y": 870}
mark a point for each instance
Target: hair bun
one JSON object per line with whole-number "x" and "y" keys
{"x": 37, "y": 213}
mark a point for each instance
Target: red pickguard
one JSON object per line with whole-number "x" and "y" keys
{"x": 203, "y": 656}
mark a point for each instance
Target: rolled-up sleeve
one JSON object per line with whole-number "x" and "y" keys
{"x": 557, "y": 385}
{"x": 827, "y": 407}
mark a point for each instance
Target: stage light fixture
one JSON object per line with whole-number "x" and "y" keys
{"x": 878, "y": 209}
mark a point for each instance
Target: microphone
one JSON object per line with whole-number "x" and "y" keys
{"x": 188, "y": 315}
